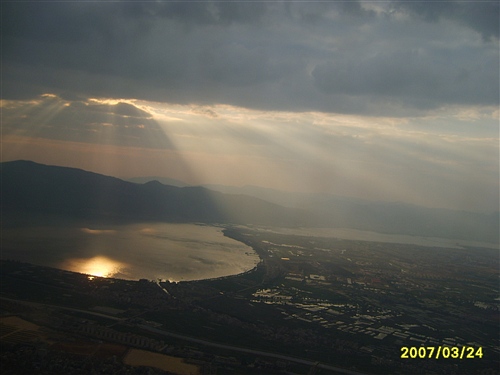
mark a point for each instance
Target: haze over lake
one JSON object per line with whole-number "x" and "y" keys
{"x": 173, "y": 252}
{"x": 363, "y": 235}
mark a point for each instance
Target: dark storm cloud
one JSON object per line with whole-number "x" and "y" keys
{"x": 237, "y": 65}
{"x": 353, "y": 57}
{"x": 314, "y": 12}
{"x": 481, "y": 16}
{"x": 197, "y": 12}
{"x": 427, "y": 80}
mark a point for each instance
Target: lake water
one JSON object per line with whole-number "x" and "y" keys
{"x": 172, "y": 252}
{"x": 175, "y": 252}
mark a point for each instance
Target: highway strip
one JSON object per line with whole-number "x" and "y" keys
{"x": 338, "y": 370}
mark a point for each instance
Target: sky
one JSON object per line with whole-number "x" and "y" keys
{"x": 380, "y": 100}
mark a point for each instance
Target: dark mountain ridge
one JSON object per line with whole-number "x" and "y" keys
{"x": 163, "y": 180}
{"x": 30, "y": 187}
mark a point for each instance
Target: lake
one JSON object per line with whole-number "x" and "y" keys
{"x": 175, "y": 252}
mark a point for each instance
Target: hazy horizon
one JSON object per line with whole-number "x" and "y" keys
{"x": 391, "y": 101}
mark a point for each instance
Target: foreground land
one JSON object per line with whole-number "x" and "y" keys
{"x": 312, "y": 305}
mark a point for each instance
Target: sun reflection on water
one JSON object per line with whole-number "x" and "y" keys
{"x": 97, "y": 266}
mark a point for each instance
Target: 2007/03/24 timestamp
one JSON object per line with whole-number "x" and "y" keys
{"x": 456, "y": 352}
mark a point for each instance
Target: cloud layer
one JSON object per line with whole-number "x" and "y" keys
{"x": 400, "y": 57}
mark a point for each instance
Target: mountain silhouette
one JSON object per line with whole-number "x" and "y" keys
{"x": 29, "y": 187}
{"x": 32, "y": 190}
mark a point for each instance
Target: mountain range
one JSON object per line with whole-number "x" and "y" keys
{"x": 29, "y": 188}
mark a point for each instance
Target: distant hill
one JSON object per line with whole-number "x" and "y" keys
{"x": 32, "y": 188}
{"x": 326, "y": 210}
{"x": 385, "y": 217}
{"x": 29, "y": 187}
{"x": 163, "y": 180}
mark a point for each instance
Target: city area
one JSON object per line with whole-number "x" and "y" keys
{"x": 313, "y": 305}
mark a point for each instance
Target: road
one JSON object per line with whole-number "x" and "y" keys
{"x": 337, "y": 370}
{"x": 149, "y": 328}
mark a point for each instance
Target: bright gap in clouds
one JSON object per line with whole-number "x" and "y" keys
{"x": 447, "y": 159}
